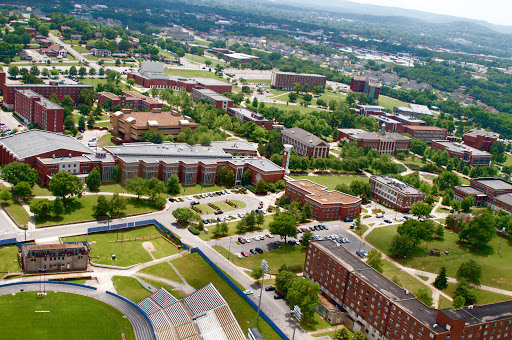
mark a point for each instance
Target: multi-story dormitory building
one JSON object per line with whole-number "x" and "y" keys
{"x": 50, "y": 153}
{"x": 495, "y": 192}
{"x": 394, "y": 193}
{"x": 131, "y": 99}
{"x": 305, "y": 143}
{"x": 33, "y": 108}
{"x": 383, "y": 311}
{"x": 287, "y": 80}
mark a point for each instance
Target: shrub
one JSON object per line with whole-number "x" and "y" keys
{"x": 193, "y": 230}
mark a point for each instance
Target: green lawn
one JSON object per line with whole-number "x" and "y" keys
{"x": 198, "y": 273}
{"x": 483, "y": 297}
{"x": 193, "y": 74}
{"x": 105, "y": 140}
{"x": 17, "y": 212}
{"x": 9, "y": 260}
{"x": 508, "y": 162}
{"x": 291, "y": 107}
{"x": 390, "y": 102}
{"x": 202, "y": 59}
{"x": 114, "y": 187}
{"x": 331, "y": 181}
{"x": 198, "y": 189}
{"x": 38, "y": 190}
{"x": 239, "y": 204}
{"x": 406, "y": 280}
{"x": 231, "y": 229}
{"x": 80, "y": 49}
{"x": 81, "y": 209}
{"x": 130, "y": 288}
{"x": 315, "y": 324}
{"x": 93, "y": 81}
{"x": 162, "y": 270}
{"x": 332, "y": 333}
{"x": 292, "y": 256}
{"x": 204, "y": 209}
{"x": 127, "y": 253}
{"x": 494, "y": 266}
{"x": 223, "y": 206}
{"x": 70, "y": 317}
{"x": 103, "y": 124}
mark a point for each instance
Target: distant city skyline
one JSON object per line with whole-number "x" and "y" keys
{"x": 493, "y": 11}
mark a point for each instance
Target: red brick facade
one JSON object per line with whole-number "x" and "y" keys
{"x": 36, "y": 109}
{"x": 131, "y": 99}
{"x": 217, "y": 100}
{"x": 480, "y": 140}
{"x": 426, "y": 133}
{"x": 178, "y": 83}
{"x": 394, "y": 194}
{"x": 287, "y": 80}
{"x": 470, "y": 156}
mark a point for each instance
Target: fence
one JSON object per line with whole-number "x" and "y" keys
{"x": 52, "y": 282}
{"x": 137, "y": 224}
{"x": 8, "y": 241}
{"x": 234, "y": 286}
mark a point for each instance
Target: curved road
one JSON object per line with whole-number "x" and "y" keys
{"x": 141, "y": 326}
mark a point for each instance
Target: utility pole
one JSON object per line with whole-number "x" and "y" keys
{"x": 264, "y": 267}
{"x": 501, "y": 238}
{"x": 229, "y": 252}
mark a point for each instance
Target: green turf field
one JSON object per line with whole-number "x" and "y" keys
{"x": 70, "y": 317}
{"x": 331, "y": 181}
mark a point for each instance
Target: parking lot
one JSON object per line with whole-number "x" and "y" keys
{"x": 336, "y": 227}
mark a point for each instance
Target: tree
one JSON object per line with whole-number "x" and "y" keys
{"x": 446, "y": 200}
{"x": 241, "y": 226}
{"x": 247, "y": 177}
{"x": 102, "y": 208}
{"x": 464, "y": 289}
{"x": 225, "y": 176}
{"x": 14, "y": 71}
{"x": 401, "y": 246}
{"x": 458, "y": 302}
{"x": 116, "y": 174}
{"x": 65, "y": 184}
{"x": 73, "y": 71}
{"x": 257, "y": 273}
{"x": 261, "y": 187}
{"x": 58, "y": 206}
{"x": 450, "y": 221}
{"x": 416, "y": 230}
{"x": 260, "y": 219}
{"x": 173, "y": 185}
{"x": 441, "y": 281}
{"x": 81, "y": 123}
{"x": 470, "y": 271}
{"x": 184, "y": 216}
{"x": 304, "y": 293}
{"x": 136, "y": 186}
{"x": 306, "y": 212}
{"x": 41, "y": 208}
{"x": 223, "y": 228}
{"x": 306, "y": 237}
{"x": 359, "y": 335}
{"x": 16, "y": 172}
{"x": 152, "y": 136}
{"x": 467, "y": 202}
{"x": 283, "y": 224}
{"x": 23, "y": 189}
{"x": 154, "y": 91}
{"x": 375, "y": 260}
{"x": 480, "y": 230}
{"x": 250, "y": 220}
{"x": 5, "y": 195}
{"x": 424, "y": 295}
{"x": 82, "y": 71}
{"x": 283, "y": 280}
{"x": 447, "y": 180}
{"x": 420, "y": 209}
{"x": 93, "y": 180}
{"x": 92, "y": 71}
{"x": 455, "y": 205}
{"x": 34, "y": 70}
{"x": 343, "y": 334}
{"x": 117, "y": 204}
{"x": 154, "y": 186}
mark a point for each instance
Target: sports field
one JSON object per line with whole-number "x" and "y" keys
{"x": 67, "y": 316}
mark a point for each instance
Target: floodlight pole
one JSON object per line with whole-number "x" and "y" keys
{"x": 264, "y": 267}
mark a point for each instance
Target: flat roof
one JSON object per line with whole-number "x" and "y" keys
{"x": 53, "y": 246}
{"x": 377, "y": 135}
{"x": 494, "y": 183}
{"x": 457, "y": 147}
{"x": 320, "y": 194}
{"x": 478, "y": 133}
{"x": 470, "y": 190}
{"x": 505, "y": 198}
{"x": 143, "y": 118}
{"x": 300, "y": 74}
{"x": 398, "y": 296}
{"x": 303, "y": 135}
{"x": 425, "y": 127}
{"x": 399, "y": 185}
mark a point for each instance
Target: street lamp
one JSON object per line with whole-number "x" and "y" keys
{"x": 298, "y": 315}
{"x": 501, "y": 238}
{"x": 264, "y": 267}
{"x": 229, "y": 251}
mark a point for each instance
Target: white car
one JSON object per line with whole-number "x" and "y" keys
{"x": 401, "y": 219}
{"x": 256, "y": 238}
{"x": 247, "y": 240}
{"x": 239, "y": 255}
{"x": 248, "y": 292}
{"x": 261, "y": 237}
{"x": 269, "y": 235}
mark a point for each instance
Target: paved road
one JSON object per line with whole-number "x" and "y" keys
{"x": 141, "y": 326}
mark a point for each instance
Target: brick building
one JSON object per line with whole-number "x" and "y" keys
{"x": 480, "y": 139}
{"x": 151, "y": 74}
{"x": 212, "y": 97}
{"x": 305, "y": 143}
{"x": 426, "y": 133}
{"x": 131, "y": 99}
{"x": 286, "y": 80}
{"x": 54, "y": 257}
{"x": 129, "y": 126}
{"x": 101, "y": 52}
{"x": 382, "y": 141}
{"x": 369, "y": 110}
{"x": 325, "y": 205}
{"x": 367, "y": 86}
{"x": 61, "y": 89}
{"x": 486, "y": 191}
{"x": 414, "y": 110}
{"x": 33, "y": 108}
{"x": 394, "y": 193}
{"x": 53, "y": 50}
{"x": 246, "y": 115}
{"x": 469, "y": 155}
{"x": 380, "y": 309}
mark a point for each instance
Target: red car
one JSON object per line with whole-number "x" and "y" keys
{"x": 241, "y": 240}
{"x": 312, "y": 228}
{"x": 244, "y": 254}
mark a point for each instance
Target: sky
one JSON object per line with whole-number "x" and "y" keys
{"x": 493, "y": 11}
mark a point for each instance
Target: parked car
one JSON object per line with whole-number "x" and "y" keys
{"x": 348, "y": 219}
{"x": 244, "y": 253}
{"x": 270, "y": 288}
{"x": 239, "y": 255}
{"x": 256, "y": 238}
{"x": 259, "y": 250}
{"x": 360, "y": 253}
{"x": 252, "y": 251}
{"x": 247, "y": 240}
{"x": 171, "y": 200}
{"x": 269, "y": 235}
{"x": 312, "y": 228}
{"x": 241, "y": 240}
{"x": 278, "y": 296}
{"x": 218, "y": 212}
{"x": 379, "y": 215}
{"x": 248, "y": 292}
{"x": 388, "y": 221}
{"x": 206, "y": 221}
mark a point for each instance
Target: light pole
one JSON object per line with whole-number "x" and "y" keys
{"x": 264, "y": 267}
{"x": 501, "y": 280}
{"x": 229, "y": 252}
{"x": 298, "y": 315}
{"x": 501, "y": 238}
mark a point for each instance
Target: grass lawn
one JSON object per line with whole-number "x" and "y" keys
{"x": 105, "y": 140}
{"x": 292, "y": 256}
{"x": 231, "y": 229}
{"x": 164, "y": 270}
{"x": 259, "y": 81}
{"x": 464, "y": 181}
{"x": 198, "y": 189}
{"x": 483, "y": 297}
{"x": 300, "y": 108}
{"x": 198, "y": 273}
{"x": 223, "y": 206}
{"x": 9, "y": 259}
{"x": 80, "y": 49}
{"x": 494, "y": 266}
{"x": 361, "y": 230}
{"x": 193, "y": 74}
{"x": 103, "y": 124}
{"x": 202, "y": 59}
{"x": 15, "y": 209}
{"x": 176, "y": 293}
{"x": 315, "y": 324}
{"x": 81, "y": 209}
{"x": 38, "y": 190}
{"x": 390, "y": 102}
{"x": 508, "y": 162}
{"x": 331, "y": 181}
{"x": 127, "y": 253}
{"x": 71, "y": 317}
{"x": 114, "y": 187}
{"x": 332, "y": 333}
{"x": 406, "y": 280}
{"x": 205, "y": 209}
{"x": 239, "y": 204}
{"x": 130, "y": 288}
{"x": 93, "y": 81}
